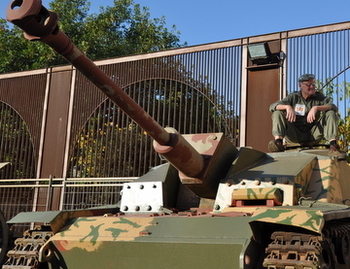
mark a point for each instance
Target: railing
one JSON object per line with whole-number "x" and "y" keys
{"x": 26, "y": 195}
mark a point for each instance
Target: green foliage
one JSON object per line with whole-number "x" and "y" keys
{"x": 341, "y": 92}
{"x": 15, "y": 146}
{"x": 12, "y": 42}
{"x": 123, "y": 29}
{"x": 112, "y": 145}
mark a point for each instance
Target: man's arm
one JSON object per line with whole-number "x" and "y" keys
{"x": 311, "y": 116}
{"x": 290, "y": 113}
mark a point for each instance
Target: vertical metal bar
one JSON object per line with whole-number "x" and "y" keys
{"x": 243, "y": 117}
{"x": 42, "y": 136}
{"x": 49, "y": 195}
{"x": 69, "y": 123}
{"x": 62, "y": 201}
{"x": 283, "y": 78}
{"x": 43, "y": 122}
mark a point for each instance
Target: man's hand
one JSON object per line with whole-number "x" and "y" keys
{"x": 311, "y": 116}
{"x": 290, "y": 114}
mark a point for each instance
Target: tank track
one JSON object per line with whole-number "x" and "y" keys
{"x": 25, "y": 254}
{"x": 298, "y": 251}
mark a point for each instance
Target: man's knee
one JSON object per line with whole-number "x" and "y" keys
{"x": 331, "y": 115}
{"x": 278, "y": 114}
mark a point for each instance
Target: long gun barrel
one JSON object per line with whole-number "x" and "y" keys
{"x": 38, "y": 23}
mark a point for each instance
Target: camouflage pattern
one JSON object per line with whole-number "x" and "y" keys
{"x": 309, "y": 215}
{"x": 329, "y": 181}
{"x": 57, "y": 219}
{"x": 100, "y": 230}
{"x": 299, "y": 175}
{"x": 149, "y": 242}
{"x": 288, "y": 173}
{"x": 312, "y": 220}
{"x": 219, "y": 153}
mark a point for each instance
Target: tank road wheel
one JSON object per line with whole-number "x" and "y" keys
{"x": 342, "y": 248}
{"x": 4, "y": 238}
{"x": 328, "y": 256}
{"x": 345, "y": 249}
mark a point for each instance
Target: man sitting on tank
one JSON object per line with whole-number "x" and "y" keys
{"x": 305, "y": 117}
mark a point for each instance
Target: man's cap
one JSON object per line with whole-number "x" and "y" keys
{"x": 306, "y": 77}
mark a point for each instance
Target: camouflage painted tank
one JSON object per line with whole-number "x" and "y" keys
{"x": 212, "y": 205}
{"x": 270, "y": 211}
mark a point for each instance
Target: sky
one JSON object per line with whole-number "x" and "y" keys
{"x": 204, "y": 21}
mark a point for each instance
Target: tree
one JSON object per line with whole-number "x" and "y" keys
{"x": 15, "y": 145}
{"x": 123, "y": 29}
{"x": 340, "y": 92}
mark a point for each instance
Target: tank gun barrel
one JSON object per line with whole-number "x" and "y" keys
{"x": 40, "y": 24}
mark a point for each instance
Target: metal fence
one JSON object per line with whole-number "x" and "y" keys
{"x": 327, "y": 56}
{"x": 55, "y": 124}
{"x": 26, "y": 195}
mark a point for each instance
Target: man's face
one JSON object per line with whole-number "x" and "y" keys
{"x": 307, "y": 88}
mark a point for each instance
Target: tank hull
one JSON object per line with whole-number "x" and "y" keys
{"x": 153, "y": 242}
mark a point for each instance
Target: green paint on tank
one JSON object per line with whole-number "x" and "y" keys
{"x": 159, "y": 242}
{"x": 308, "y": 219}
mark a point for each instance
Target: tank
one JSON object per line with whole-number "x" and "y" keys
{"x": 211, "y": 205}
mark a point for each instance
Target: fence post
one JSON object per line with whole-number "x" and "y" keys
{"x": 63, "y": 192}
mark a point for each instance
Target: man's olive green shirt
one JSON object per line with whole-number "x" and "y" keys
{"x": 296, "y": 100}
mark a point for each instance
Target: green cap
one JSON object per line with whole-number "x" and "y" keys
{"x": 306, "y": 77}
